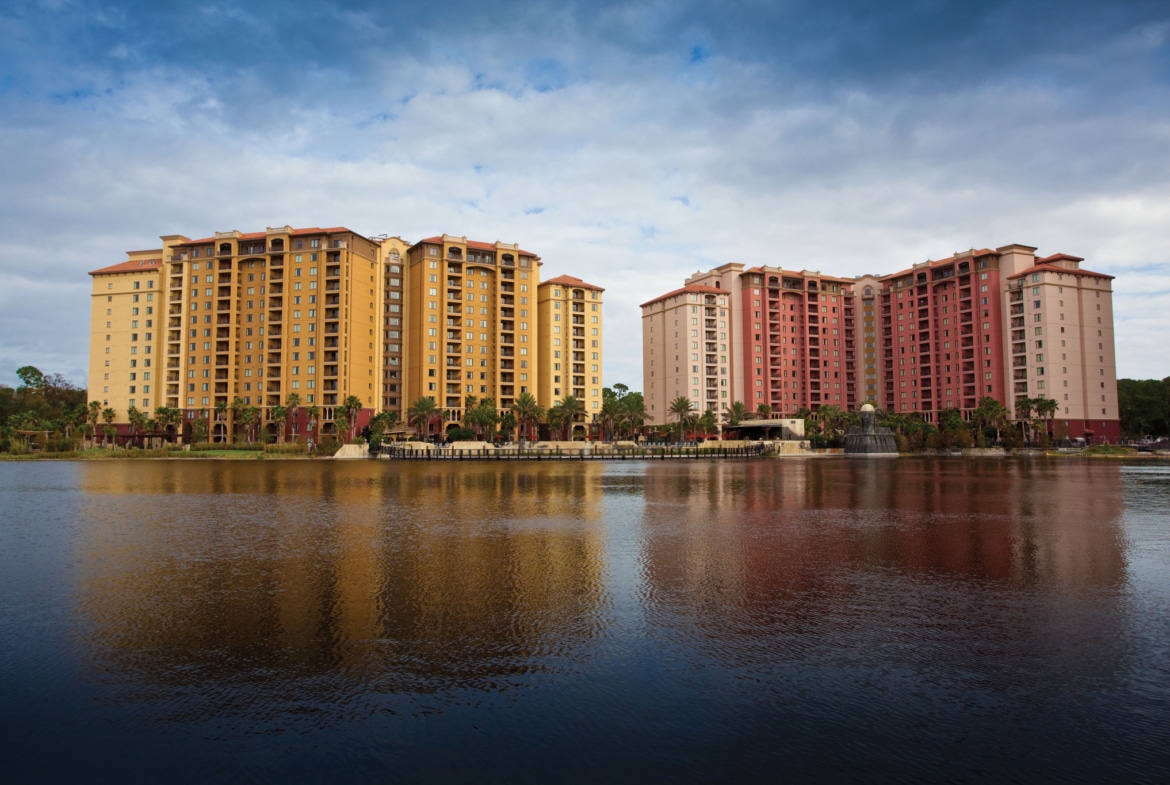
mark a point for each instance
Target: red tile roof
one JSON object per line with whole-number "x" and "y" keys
{"x": 1059, "y": 257}
{"x": 261, "y": 235}
{"x": 695, "y": 288}
{"x": 476, "y": 244}
{"x": 570, "y": 281}
{"x": 762, "y": 270}
{"x": 132, "y": 266}
{"x": 1051, "y": 268}
{"x": 971, "y": 255}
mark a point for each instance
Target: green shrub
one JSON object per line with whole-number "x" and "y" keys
{"x": 461, "y": 435}
{"x": 1108, "y": 449}
{"x": 327, "y": 446}
{"x": 216, "y": 447}
{"x": 290, "y": 448}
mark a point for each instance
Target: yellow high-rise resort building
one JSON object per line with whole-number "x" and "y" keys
{"x": 471, "y": 322}
{"x": 125, "y": 334}
{"x": 328, "y": 313}
{"x": 254, "y": 317}
{"x": 570, "y": 325}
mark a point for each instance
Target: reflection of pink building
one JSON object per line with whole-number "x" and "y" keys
{"x": 1002, "y": 323}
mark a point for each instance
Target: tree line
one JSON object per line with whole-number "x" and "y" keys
{"x": 621, "y": 416}
{"x": 1144, "y": 406}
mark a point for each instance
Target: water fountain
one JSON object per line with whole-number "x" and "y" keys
{"x": 868, "y": 439}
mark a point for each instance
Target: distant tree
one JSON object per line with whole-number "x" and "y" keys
{"x": 221, "y": 414}
{"x": 508, "y": 423}
{"x": 353, "y": 406}
{"x": 93, "y": 413}
{"x": 682, "y": 408}
{"x": 1046, "y": 409}
{"x": 736, "y": 412}
{"x": 1144, "y": 406}
{"x": 528, "y": 413}
{"x": 763, "y": 411}
{"x": 565, "y": 411}
{"x": 707, "y": 422}
{"x": 421, "y": 414}
{"x": 482, "y": 417}
{"x": 312, "y": 412}
{"x": 278, "y": 416}
{"x": 31, "y": 377}
{"x": 991, "y": 414}
{"x": 293, "y": 405}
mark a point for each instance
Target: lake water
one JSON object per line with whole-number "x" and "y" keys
{"x": 768, "y": 620}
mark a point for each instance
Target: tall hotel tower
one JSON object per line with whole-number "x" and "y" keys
{"x": 943, "y": 334}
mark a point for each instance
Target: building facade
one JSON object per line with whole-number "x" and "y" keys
{"x": 768, "y": 337}
{"x": 125, "y": 334}
{"x": 569, "y": 322}
{"x": 682, "y": 355}
{"x": 328, "y": 314}
{"x": 471, "y": 322}
{"x": 943, "y": 334}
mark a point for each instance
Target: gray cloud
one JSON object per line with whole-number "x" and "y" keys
{"x": 628, "y": 144}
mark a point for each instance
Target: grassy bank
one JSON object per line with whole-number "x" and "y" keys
{"x": 127, "y": 455}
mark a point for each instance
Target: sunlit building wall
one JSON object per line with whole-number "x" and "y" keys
{"x": 125, "y": 333}
{"x": 470, "y": 322}
{"x": 569, "y": 314}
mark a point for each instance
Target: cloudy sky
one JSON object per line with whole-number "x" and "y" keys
{"x": 628, "y": 143}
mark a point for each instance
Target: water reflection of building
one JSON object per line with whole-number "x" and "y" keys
{"x": 421, "y": 577}
{"x": 774, "y": 559}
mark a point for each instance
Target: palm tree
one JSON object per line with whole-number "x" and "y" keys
{"x": 1024, "y": 408}
{"x": 237, "y": 408}
{"x": 571, "y": 408}
{"x": 681, "y": 407}
{"x": 137, "y": 419}
{"x": 831, "y": 418}
{"x": 991, "y": 412}
{"x": 422, "y": 413}
{"x": 293, "y": 404}
{"x": 221, "y": 412}
{"x": 633, "y": 414}
{"x": 279, "y": 415}
{"x": 1046, "y": 409}
{"x": 311, "y": 413}
{"x": 507, "y": 422}
{"x": 93, "y": 412}
{"x": 247, "y": 417}
{"x": 708, "y": 423}
{"x": 556, "y": 420}
{"x": 528, "y": 412}
{"x": 611, "y": 410}
{"x": 352, "y": 406}
{"x": 763, "y": 411}
{"x": 736, "y": 412}
{"x": 166, "y": 416}
{"x": 482, "y": 416}
{"x": 108, "y": 415}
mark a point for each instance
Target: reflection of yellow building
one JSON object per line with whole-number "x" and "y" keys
{"x": 569, "y": 311}
{"x": 436, "y": 576}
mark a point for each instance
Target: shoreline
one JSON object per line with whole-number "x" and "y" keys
{"x": 538, "y": 457}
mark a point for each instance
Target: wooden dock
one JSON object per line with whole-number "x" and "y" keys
{"x": 663, "y": 453}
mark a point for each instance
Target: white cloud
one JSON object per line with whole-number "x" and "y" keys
{"x": 632, "y": 172}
